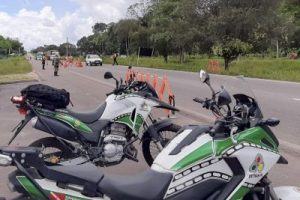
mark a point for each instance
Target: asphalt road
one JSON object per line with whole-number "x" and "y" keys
{"x": 88, "y": 88}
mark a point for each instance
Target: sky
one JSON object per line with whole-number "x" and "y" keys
{"x": 43, "y": 22}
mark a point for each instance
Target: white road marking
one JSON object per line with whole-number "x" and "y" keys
{"x": 296, "y": 99}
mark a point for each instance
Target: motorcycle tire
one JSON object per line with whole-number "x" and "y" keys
{"x": 63, "y": 153}
{"x": 146, "y": 144}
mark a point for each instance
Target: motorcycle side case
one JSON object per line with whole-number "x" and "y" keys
{"x": 287, "y": 192}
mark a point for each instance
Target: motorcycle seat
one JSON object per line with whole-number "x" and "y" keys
{"x": 75, "y": 174}
{"x": 147, "y": 185}
{"x": 144, "y": 186}
{"x": 88, "y": 117}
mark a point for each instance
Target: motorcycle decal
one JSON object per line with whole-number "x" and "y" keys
{"x": 246, "y": 144}
{"x": 203, "y": 152}
{"x": 138, "y": 122}
{"x": 252, "y": 137}
{"x": 71, "y": 121}
{"x": 126, "y": 119}
{"x": 257, "y": 165}
{"x": 75, "y": 123}
{"x": 125, "y": 96}
{"x": 257, "y": 135}
{"x": 241, "y": 193}
{"x": 196, "y": 180}
{"x": 30, "y": 188}
{"x": 36, "y": 194}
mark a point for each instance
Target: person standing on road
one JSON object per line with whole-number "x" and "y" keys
{"x": 115, "y": 56}
{"x": 56, "y": 62}
{"x": 43, "y": 62}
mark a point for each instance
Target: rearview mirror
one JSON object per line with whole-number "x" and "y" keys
{"x": 204, "y": 77}
{"x": 108, "y": 75}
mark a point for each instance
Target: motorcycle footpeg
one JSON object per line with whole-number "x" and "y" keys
{"x": 131, "y": 154}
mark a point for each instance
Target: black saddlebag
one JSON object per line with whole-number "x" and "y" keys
{"x": 47, "y": 96}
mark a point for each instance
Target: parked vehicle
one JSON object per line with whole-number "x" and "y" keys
{"x": 39, "y": 56}
{"x": 53, "y": 54}
{"x": 228, "y": 160}
{"x": 104, "y": 136}
{"x": 93, "y": 59}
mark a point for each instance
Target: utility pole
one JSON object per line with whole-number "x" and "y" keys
{"x": 67, "y": 47}
{"x": 277, "y": 49}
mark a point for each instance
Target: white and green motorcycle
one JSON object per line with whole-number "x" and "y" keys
{"x": 228, "y": 160}
{"x": 105, "y": 136}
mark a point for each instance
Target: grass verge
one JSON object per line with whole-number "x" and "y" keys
{"x": 15, "y": 69}
{"x": 266, "y": 68}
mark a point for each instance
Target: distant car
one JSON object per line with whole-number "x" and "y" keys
{"x": 39, "y": 56}
{"x": 93, "y": 59}
{"x": 54, "y": 54}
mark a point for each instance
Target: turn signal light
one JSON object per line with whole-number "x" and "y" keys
{"x": 5, "y": 160}
{"x": 17, "y": 99}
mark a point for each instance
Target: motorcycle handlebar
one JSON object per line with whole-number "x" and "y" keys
{"x": 199, "y": 100}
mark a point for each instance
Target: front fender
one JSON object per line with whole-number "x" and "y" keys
{"x": 152, "y": 131}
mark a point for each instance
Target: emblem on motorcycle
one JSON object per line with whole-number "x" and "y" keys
{"x": 257, "y": 165}
{"x": 77, "y": 123}
{"x": 145, "y": 106}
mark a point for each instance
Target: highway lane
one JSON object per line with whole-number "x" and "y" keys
{"x": 277, "y": 98}
{"x": 88, "y": 87}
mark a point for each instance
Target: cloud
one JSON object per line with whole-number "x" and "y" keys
{"x": 103, "y": 10}
{"x": 36, "y": 28}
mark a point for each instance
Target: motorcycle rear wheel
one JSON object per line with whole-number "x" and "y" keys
{"x": 53, "y": 150}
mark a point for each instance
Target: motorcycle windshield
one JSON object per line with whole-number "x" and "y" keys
{"x": 243, "y": 97}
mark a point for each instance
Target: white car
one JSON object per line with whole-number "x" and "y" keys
{"x": 54, "y": 54}
{"x": 93, "y": 59}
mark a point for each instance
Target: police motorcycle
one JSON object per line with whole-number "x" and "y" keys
{"x": 105, "y": 136}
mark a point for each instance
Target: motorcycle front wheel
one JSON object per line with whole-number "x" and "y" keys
{"x": 151, "y": 149}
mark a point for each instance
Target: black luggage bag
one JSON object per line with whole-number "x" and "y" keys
{"x": 46, "y": 96}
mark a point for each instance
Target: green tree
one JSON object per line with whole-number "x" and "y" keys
{"x": 71, "y": 48}
{"x": 51, "y": 47}
{"x": 99, "y": 27}
{"x": 124, "y": 30}
{"x": 238, "y": 25}
{"x": 231, "y": 49}
{"x": 86, "y": 44}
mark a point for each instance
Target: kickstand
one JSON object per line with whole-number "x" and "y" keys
{"x": 19, "y": 124}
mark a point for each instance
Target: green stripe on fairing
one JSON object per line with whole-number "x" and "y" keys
{"x": 71, "y": 121}
{"x": 36, "y": 194}
{"x": 30, "y": 188}
{"x": 203, "y": 152}
{"x": 126, "y": 119}
{"x": 138, "y": 122}
{"x": 255, "y": 135}
{"x": 240, "y": 193}
{"x": 75, "y": 123}
{"x": 252, "y": 135}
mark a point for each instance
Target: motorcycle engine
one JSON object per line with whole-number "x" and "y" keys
{"x": 114, "y": 143}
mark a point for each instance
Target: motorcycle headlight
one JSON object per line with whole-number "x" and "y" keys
{"x": 5, "y": 160}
